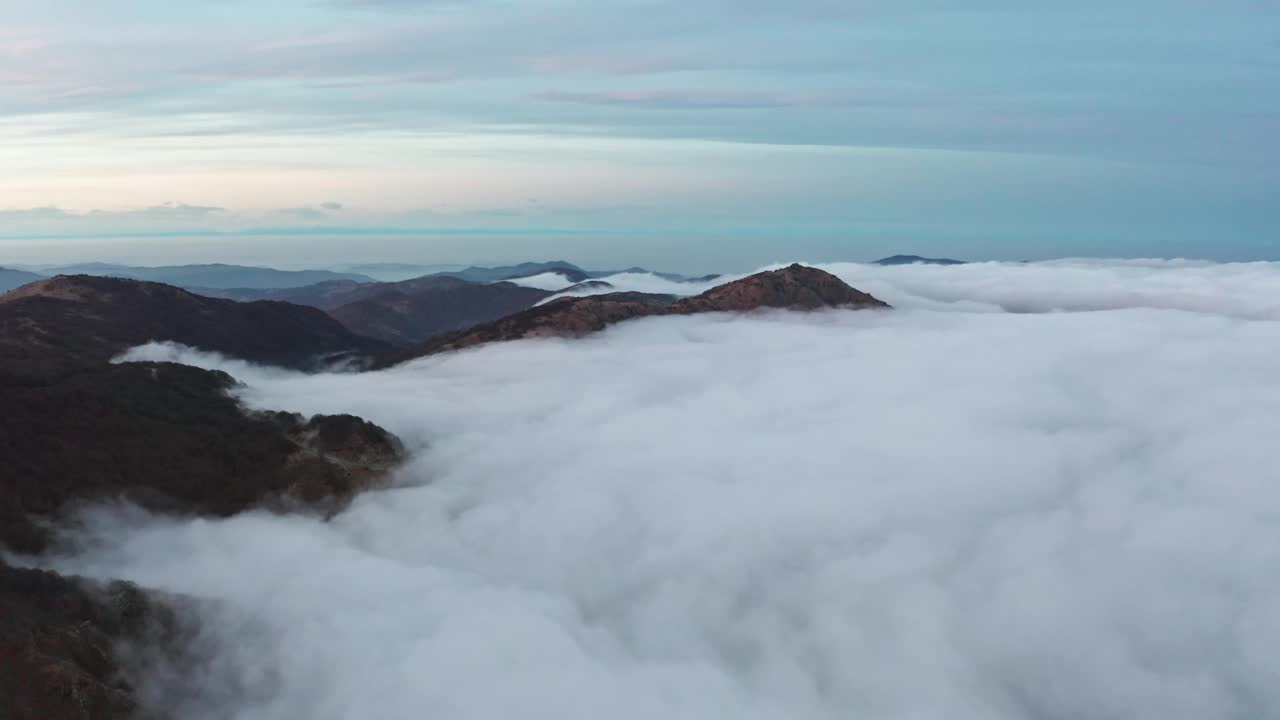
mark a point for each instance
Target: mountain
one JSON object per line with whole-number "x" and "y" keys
{"x": 324, "y": 295}
{"x": 171, "y": 438}
{"x": 395, "y": 272}
{"x": 10, "y": 279}
{"x": 65, "y": 323}
{"x": 508, "y": 272}
{"x": 795, "y": 287}
{"x": 416, "y": 310}
{"x": 405, "y": 312}
{"x": 412, "y": 311}
{"x": 212, "y": 276}
{"x": 916, "y": 259}
{"x": 59, "y": 642}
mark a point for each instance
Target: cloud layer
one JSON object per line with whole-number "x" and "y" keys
{"x": 986, "y": 514}
{"x": 1248, "y": 291}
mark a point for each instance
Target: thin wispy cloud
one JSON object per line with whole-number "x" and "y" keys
{"x": 665, "y": 100}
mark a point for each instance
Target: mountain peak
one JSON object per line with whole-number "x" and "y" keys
{"x": 795, "y": 287}
{"x": 86, "y": 288}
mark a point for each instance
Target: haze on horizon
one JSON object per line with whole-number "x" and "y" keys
{"x": 699, "y": 135}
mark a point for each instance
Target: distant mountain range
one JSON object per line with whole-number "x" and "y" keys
{"x": 405, "y": 312}
{"x": 916, "y": 260}
{"x": 240, "y": 280}
{"x": 395, "y": 272}
{"x": 10, "y": 279}
{"x": 65, "y": 323}
{"x": 413, "y": 311}
{"x": 508, "y": 272}
{"x": 210, "y": 276}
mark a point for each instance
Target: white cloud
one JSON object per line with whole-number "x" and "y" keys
{"x": 1240, "y": 290}
{"x": 639, "y": 282}
{"x": 1243, "y": 290}
{"x": 551, "y": 281}
{"x": 906, "y": 514}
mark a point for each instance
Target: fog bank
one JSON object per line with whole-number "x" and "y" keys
{"x": 975, "y": 514}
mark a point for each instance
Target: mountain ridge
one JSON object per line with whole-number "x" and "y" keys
{"x": 66, "y": 322}
{"x": 11, "y": 278}
{"x": 894, "y": 260}
{"x": 210, "y": 275}
{"x": 796, "y": 287}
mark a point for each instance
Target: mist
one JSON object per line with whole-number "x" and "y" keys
{"x": 1032, "y": 491}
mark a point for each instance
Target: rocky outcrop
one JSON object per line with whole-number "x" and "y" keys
{"x": 67, "y": 323}
{"x": 796, "y": 287}
{"x": 170, "y": 438}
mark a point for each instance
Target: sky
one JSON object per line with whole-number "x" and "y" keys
{"x": 698, "y": 135}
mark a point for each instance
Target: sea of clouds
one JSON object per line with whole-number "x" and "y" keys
{"x": 974, "y": 506}
{"x": 1245, "y": 290}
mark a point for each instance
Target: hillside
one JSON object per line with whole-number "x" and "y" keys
{"x": 796, "y": 287}
{"x": 168, "y": 437}
{"x": 415, "y": 311}
{"x": 65, "y": 323}
{"x": 405, "y": 312}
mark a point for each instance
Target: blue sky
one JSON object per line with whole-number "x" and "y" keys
{"x": 692, "y": 133}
